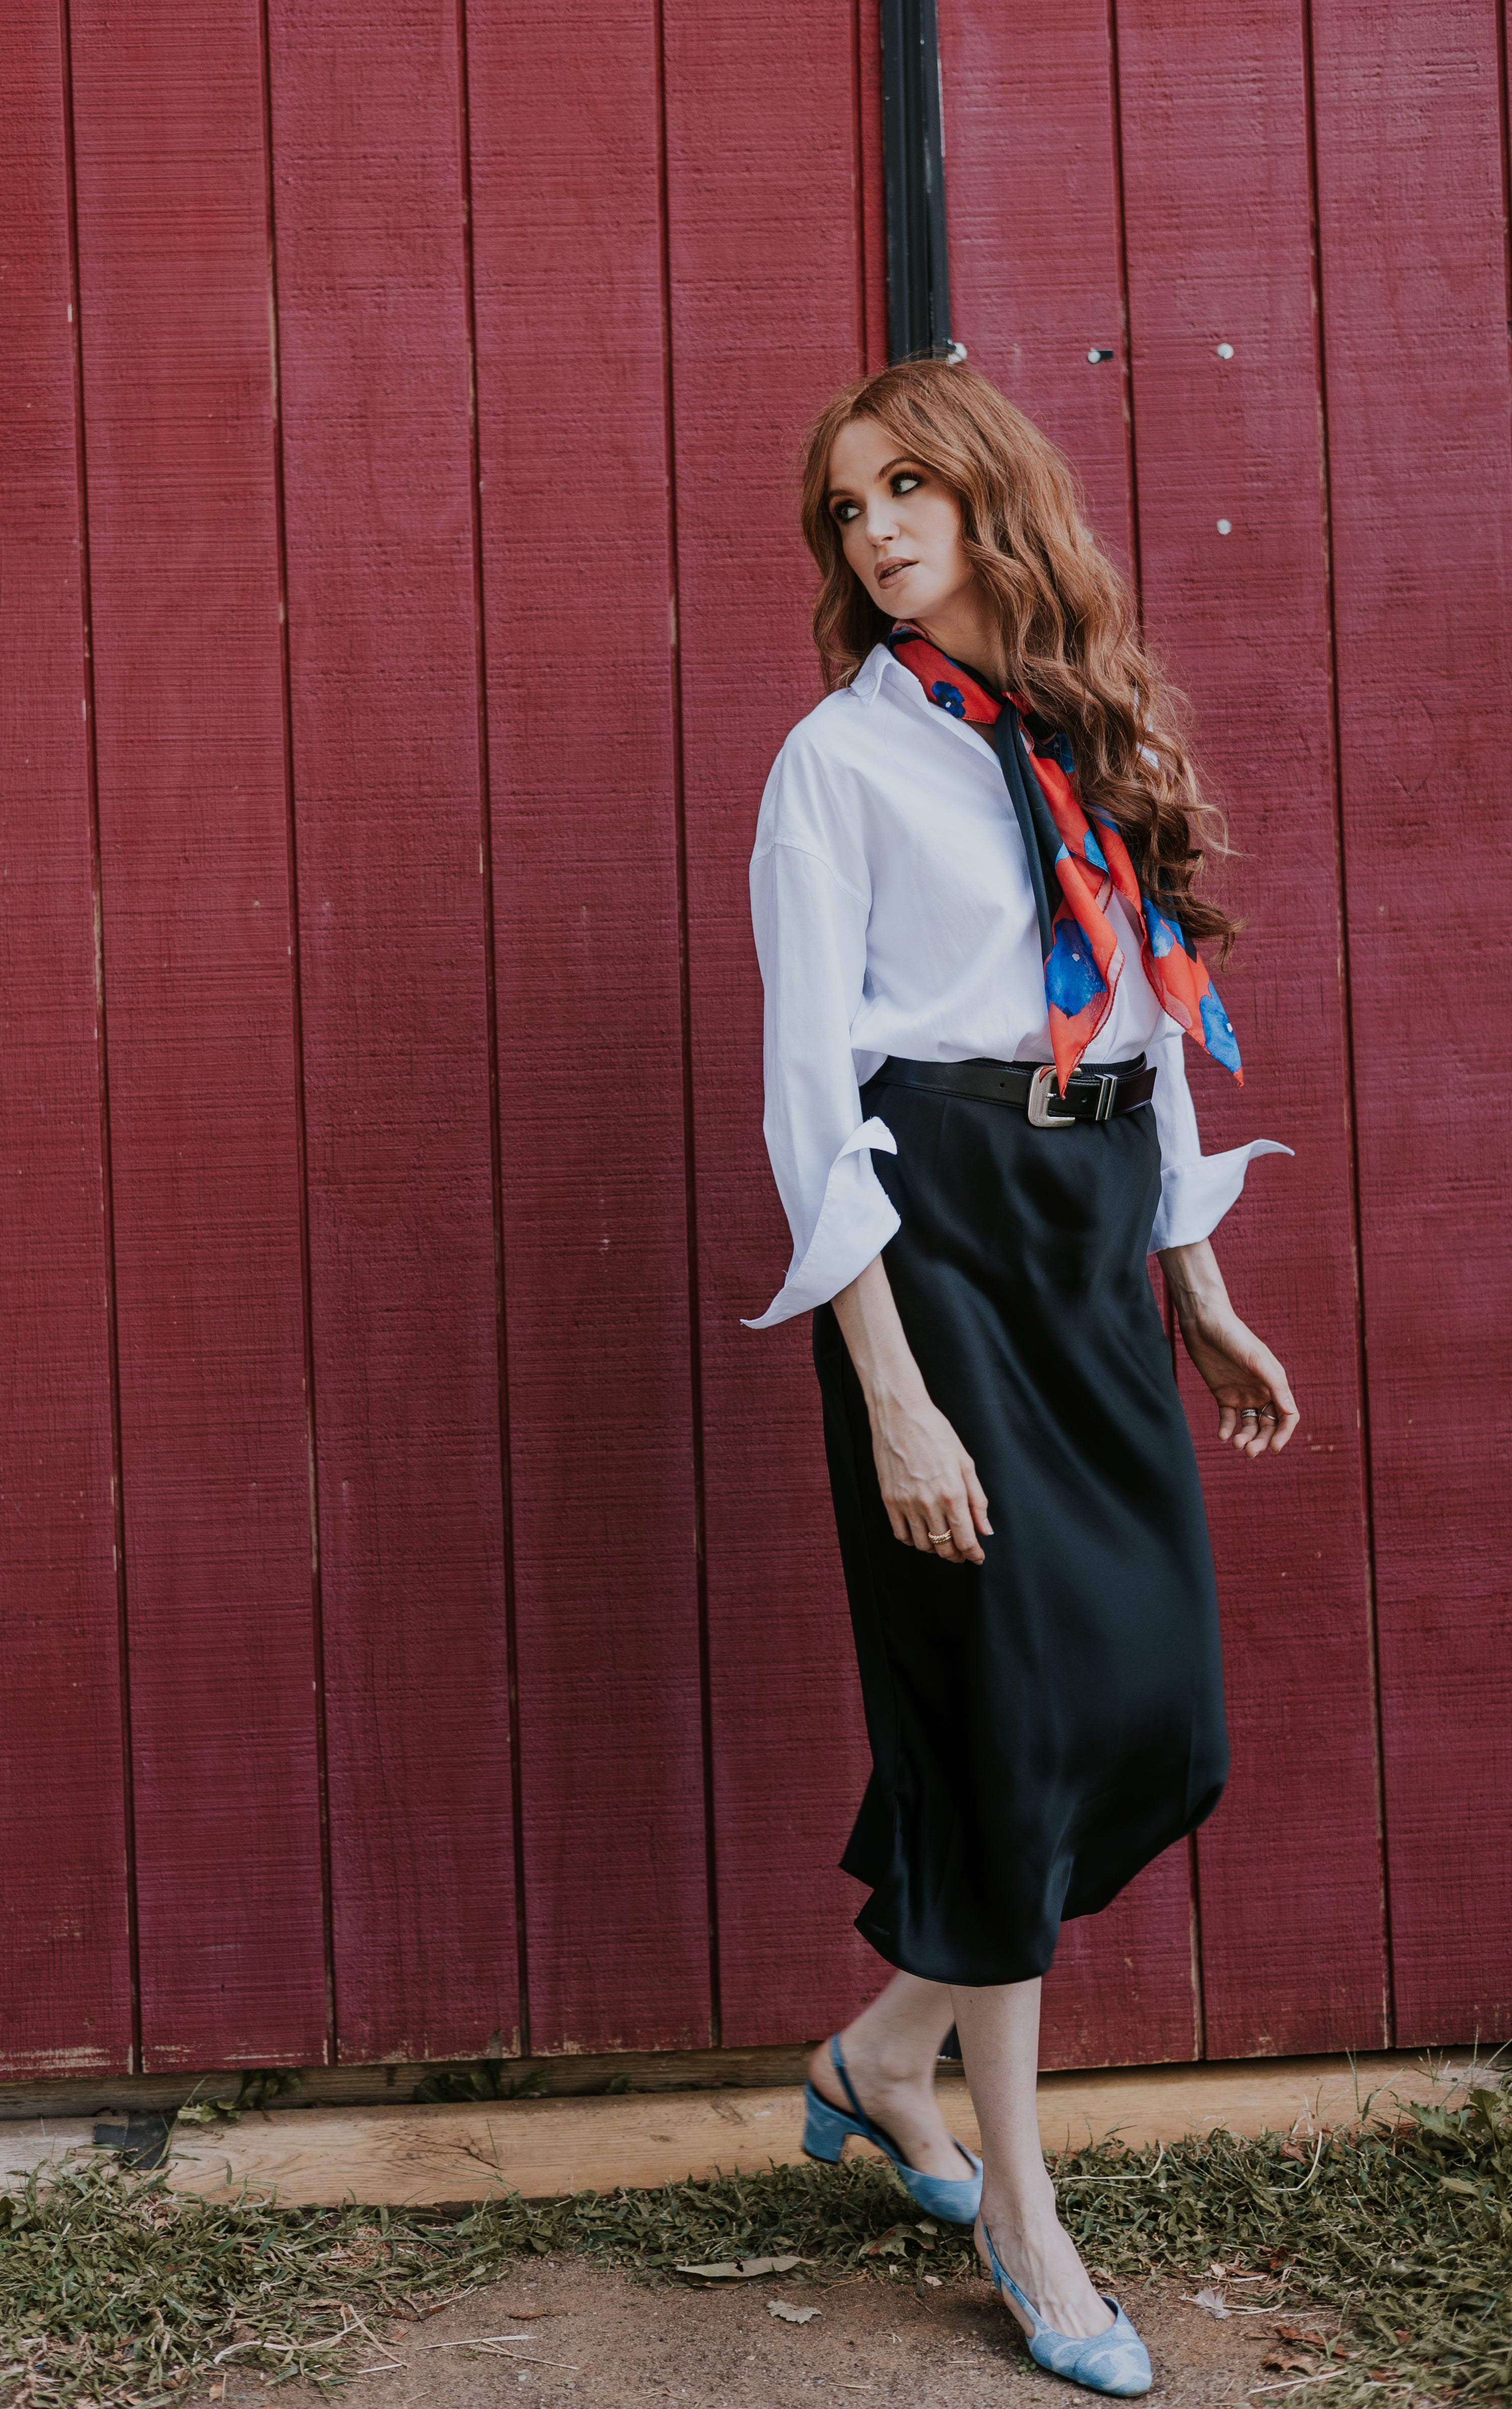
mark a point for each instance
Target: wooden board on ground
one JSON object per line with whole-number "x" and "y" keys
{"x": 418, "y": 2157}
{"x": 394, "y": 2085}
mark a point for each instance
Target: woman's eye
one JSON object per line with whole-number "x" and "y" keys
{"x": 846, "y": 512}
{"x": 905, "y": 482}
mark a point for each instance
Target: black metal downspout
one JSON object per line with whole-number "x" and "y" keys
{"x": 918, "y": 267}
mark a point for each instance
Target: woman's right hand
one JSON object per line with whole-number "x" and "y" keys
{"x": 929, "y": 1482}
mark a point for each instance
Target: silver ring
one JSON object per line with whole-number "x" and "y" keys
{"x": 1249, "y": 1413}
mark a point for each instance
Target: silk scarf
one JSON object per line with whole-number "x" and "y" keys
{"x": 1074, "y": 872}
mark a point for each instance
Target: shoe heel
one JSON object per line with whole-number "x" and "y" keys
{"x": 824, "y": 2128}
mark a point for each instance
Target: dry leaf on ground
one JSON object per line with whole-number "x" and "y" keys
{"x": 899, "y": 2239}
{"x": 744, "y": 2269}
{"x": 789, "y": 2315}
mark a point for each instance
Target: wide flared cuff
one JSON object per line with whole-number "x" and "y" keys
{"x": 856, "y": 1221}
{"x": 1195, "y": 1196}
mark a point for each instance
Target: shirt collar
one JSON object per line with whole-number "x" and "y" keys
{"x": 904, "y": 689}
{"x": 872, "y": 671}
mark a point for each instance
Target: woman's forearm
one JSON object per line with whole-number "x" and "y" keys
{"x": 1194, "y": 1279}
{"x": 927, "y": 1482}
{"x": 868, "y": 1316}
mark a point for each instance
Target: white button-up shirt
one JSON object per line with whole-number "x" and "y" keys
{"x": 893, "y": 915}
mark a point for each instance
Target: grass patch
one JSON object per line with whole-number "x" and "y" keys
{"x": 115, "y": 2291}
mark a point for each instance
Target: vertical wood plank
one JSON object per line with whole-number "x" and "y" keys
{"x": 765, "y": 302}
{"x": 173, "y": 245}
{"x": 1035, "y": 274}
{"x": 872, "y": 174}
{"x": 1412, "y": 218}
{"x": 1123, "y": 1991}
{"x": 65, "y": 1995}
{"x": 1035, "y": 270}
{"x": 382, "y": 643}
{"x": 1216, "y": 178}
{"x": 581, "y": 618}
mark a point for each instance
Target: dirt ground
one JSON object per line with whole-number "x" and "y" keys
{"x": 584, "y": 2334}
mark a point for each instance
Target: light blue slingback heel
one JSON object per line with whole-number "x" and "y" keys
{"x": 826, "y": 2129}
{"x": 1115, "y": 2361}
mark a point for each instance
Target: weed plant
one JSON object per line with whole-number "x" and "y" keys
{"x": 116, "y": 2291}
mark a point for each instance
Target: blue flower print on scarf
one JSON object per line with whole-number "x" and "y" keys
{"x": 1163, "y": 932}
{"x": 1072, "y": 978}
{"x": 949, "y": 697}
{"x": 1218, "y": 1032}
{"x": 1094, "y": 852}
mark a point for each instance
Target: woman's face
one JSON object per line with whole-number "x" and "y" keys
{"x": 899, "y": 526}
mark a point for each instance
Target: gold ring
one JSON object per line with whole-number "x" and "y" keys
{"x": 935, "y": 1538}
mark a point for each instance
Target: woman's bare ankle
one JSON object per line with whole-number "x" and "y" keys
{"x": 1034, "y": 2248}
{"x": 897, "y": 2096}
{"x": 875, "y": 2077}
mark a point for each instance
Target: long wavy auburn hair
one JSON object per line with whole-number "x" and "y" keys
{"x": 1068, "y": 619}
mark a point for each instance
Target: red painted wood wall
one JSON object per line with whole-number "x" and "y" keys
{"x": 423, "y": 1629}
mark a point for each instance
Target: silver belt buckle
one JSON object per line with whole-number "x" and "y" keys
{"x": 1040, "y": 1099}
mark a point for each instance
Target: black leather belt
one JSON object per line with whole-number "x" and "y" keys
{"x": 1098, "y": 1093}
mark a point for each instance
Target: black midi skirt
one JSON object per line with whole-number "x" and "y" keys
{"x": 1044, "y": 1724}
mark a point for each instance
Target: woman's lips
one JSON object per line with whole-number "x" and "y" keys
{"x": 891, "y": 568}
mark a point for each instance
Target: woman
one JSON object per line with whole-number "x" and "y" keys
{"x": 977, "y": 907}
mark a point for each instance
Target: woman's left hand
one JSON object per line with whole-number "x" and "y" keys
{"x": 1257, "y": 1411}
